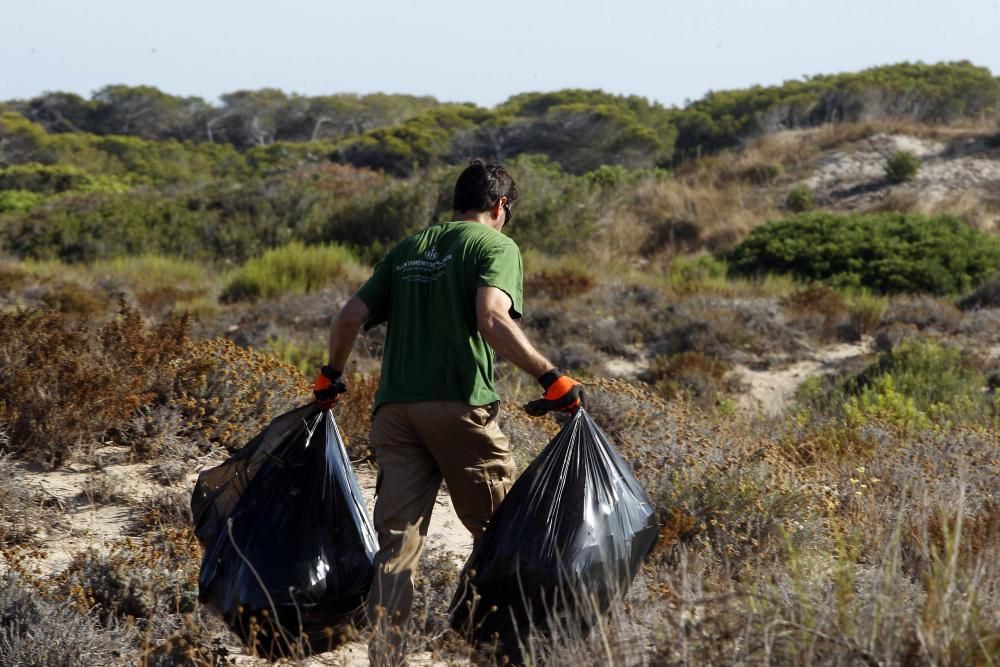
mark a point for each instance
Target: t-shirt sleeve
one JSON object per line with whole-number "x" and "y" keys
{"x": 500, "y": 266}
{"x": 377, "y": 292}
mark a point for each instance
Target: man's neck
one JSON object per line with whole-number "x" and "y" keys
{"x": 482, "y": 217}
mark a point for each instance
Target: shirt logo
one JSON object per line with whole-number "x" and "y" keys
{"x": 427, "y": 269}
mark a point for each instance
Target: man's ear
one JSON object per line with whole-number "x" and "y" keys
{"x": 495, "y": 210}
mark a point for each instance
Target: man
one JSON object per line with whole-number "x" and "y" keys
{"x": 450, "y": 295}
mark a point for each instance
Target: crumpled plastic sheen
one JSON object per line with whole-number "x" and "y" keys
{"x": 286, "y": 536}
{"x": 565, "y": 543}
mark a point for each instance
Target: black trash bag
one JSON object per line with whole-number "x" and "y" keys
{"x": 565, "y": 543}
{"x": 288, "y": 542}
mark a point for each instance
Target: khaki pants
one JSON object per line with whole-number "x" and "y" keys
{"x": 418, "y": 444}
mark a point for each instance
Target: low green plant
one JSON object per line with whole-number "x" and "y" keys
{"x": 902, "y": 166}
{"x": 884, "y": 403}
{"x": 800, "y": 199}
{"x": 918, "y": 385}
{"x": 19, "y": 200}
{"x": 688, "y": 274}
{"x": 307, "y": 358}
{"x": 865, "y": 310}
{"x": 291, "y": 269}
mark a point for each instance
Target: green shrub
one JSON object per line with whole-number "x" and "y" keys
{"x": 306, "y": 357}
{"x": 43, "y": 179}
{"x": 380, "y": 216}
{"x": 884, "y": 252}
{"x": 557, "y": 212}
{"x": 693, "y": 273}
{"x": 800, "y": 199}
{"x": 902, "y": 166}
{"x": 917, "y": 385}
{"x": 19, "y": 200}
{"x": 939, "y": 378}
{"x": 865, "y": 310}
{"x": 291, "y": 269}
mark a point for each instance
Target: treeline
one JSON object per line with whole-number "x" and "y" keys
{"x": 581, "y": 130}
{"x": 589, "y": 162}
{"x": 82, "y": 197}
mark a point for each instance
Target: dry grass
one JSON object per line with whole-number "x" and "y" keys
{"x": 875, "y": 555}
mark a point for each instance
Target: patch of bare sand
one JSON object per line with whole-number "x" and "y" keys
{"x": 854, "y": 177}
{"x": 85, "y": 524}
{"x": 771, "y": 390}
{"x": 84, "y": 521}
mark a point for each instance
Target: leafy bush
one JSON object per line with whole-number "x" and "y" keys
{"x": 942, "y": 381}
{"x": 886, "y": 252}
{"x": 799, "y": 199}
{"x": 688, "y": 274}
{"x": 902, "y": 166}
{"x": 558, "y": 212}
{"x": 917, "y": 385}
{"x": 379, "y": 217}
{"x": 291, "y": 269}
{"x": 934, "y": 93}
{"x": 19, "y": 200}
{"x": 43, "y": 179}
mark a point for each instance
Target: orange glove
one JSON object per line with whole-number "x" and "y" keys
{"x": 562, "y": 393}
{"x": 328, "y": 387}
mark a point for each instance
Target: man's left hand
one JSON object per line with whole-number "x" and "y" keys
{"x": 562, "y": 393}
{"x": 328, "y": 387}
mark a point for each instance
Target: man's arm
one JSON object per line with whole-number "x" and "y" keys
{"x": 498, "y": 328}
{"x": 344, "y": 331}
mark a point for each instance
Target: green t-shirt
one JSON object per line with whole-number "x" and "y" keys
{"x": 425, "y": 287}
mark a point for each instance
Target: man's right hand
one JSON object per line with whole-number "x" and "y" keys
{"x": 562, "y": 393}
{"x": 328, "y": 387}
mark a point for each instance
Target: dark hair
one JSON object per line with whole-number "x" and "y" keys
{"x": 481, "y": 185}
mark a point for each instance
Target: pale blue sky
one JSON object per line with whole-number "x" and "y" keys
{"x": 482, "y": 52}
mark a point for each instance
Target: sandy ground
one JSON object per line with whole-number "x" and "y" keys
{"x": 86, "y": 524}
{"x": 771, "y": 390}
{"x": 855, "y": 177}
